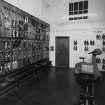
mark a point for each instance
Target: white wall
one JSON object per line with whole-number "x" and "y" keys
{"x": 37, "y": 8}
{"x": 45, "y": 10}
{"x": 77, "y": 30}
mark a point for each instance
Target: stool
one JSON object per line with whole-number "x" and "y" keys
{"x": 87, "y": 84}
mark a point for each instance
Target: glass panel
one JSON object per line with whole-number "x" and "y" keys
{"x": 70, "y": 13}
{"x": 76, "y": 6}
{"x": 70, "y": 6}
{"x": 79, "y": 17}
{"x": 85, "y": 11}
{"x": 85, "y": 17}
{"x": 85, "y": 4}
{"x": 71, "y": 18}
{"x": 80, "y": 12}
{"x": 81, "y": 5}
{"x": 75, "y": 12}
{"x": 75, "y": 18}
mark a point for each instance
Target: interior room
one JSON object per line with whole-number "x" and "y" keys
{"x": 52, "y": 52}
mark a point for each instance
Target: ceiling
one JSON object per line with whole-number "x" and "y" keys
{"x": 56, "y": 2}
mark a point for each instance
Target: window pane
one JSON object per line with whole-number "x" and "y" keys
{"x": 70, "y": 13}
{"x": 81, "y": 5}
{"x": 70, "y": 18}
{"x": 75, "y": 12}
{"x": 85, "y": 4}
{"x": 70, "y": 6}
{"x": 76, "y": 6}
{"x": 80, "y": 12}
{"x": 85, "y": 17}
{"x": 85, "y": 11}
{"x": 79, "y": 17}
{"x": 75, "y": 18}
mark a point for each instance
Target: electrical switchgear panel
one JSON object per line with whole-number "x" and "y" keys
{"x": 24, "y": 39}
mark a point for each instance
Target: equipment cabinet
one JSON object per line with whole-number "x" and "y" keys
{"x": 24, "y": 41}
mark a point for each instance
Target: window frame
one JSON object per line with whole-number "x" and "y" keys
{"x": 78, "y": 8}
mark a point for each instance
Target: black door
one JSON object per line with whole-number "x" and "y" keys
{"x": 62, "y": 52}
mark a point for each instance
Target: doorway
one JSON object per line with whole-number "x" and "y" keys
{"x": 62, "y": 52}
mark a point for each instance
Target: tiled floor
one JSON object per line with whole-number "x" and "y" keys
{"x": 53, "y": 88}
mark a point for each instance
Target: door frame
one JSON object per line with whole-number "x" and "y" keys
{"x": 68, "y": 50}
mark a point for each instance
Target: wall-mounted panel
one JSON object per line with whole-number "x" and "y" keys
{"x": 24, "y": 39}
